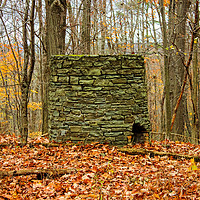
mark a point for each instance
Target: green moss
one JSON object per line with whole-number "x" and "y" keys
{"x": 76, "y": 55}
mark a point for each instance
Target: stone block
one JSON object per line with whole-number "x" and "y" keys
{"x": 74, "y": 80}
{"x": 55, "y": 78}
{"x": 76, "y": 87}
{"x": 63, "y": 79}
{"x": 75, "y": 129}
{"x": 56, "y": 113}
{"x": 94, "y": 72}
{"x": 86, "y": 82}
{"x": 119, "y": 80}
{"x": 113, "y": 134}
{"x": 93, "y": 88}
{"x": 103, "y": 82}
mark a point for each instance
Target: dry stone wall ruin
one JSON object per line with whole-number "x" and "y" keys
{"x": 97, "y": 98}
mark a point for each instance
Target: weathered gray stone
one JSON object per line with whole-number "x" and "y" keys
{"x": 67, "y": 63}
{"x": 85, "y": 94}
{"x": 75, "y": 128}
{"x": 95, "y": 134}
{"x": 103, "y": 82}
{"x": 60, "y": 92}
{"x": 94, "y": 71}
{"x": 109, "y": 72}
{"x": 63, "y": 79}
{"x": 55, "y": 78}
{"x": 76, "y": 87}
{"x": 93, "y": 88}
{"x": 86, "y": 82}
{"x": 74, "y": 80}
{"x": 113, "y": 134}
{"x": 56, "y": 113}
{"x": 125, "y": 71}
{"x": 119, "y": 80}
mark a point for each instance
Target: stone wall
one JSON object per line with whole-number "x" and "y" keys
{"x": 97, "y": 98}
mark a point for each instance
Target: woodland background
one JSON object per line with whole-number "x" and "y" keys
{"x": 165, "y": 32}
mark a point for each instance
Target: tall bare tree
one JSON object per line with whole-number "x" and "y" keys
{"x": 195, "y": 93}
{"x": 166, "y": 68}
{"x": 182, "y": 9}
{"x": 86, "y": 26}
{"x": 27, "y": 71}
{"x": 55, "y": 44}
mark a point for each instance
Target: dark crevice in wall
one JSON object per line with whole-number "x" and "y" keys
{"x": 138, "y": 133}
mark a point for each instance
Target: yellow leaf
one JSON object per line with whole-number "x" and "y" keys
{"x": 193, "y": 166}
{"x": 33, "y": 91}
{"x": 157, "y": 196}
{"x": 13, "y": 151}
{"x": 192, "y": 160}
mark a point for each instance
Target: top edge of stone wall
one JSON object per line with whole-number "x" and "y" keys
{"x": 77, "y": 57}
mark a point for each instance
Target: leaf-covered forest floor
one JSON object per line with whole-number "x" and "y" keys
{"x": 98, "y": 171}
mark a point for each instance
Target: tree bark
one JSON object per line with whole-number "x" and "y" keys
{"x": 166, "y": 69}
{"x": 182, "y": 8}
{"x": 27, "y": 71}
{"x": 55, "y": 44}
{"x": 86, "y": 26}
{"x": 103, "y": 26}
{"x": 195, "y": 79}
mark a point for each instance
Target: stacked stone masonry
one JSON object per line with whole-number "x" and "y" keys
{"x": 97, "y": 98}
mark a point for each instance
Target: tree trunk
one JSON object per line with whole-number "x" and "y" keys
{"x": 86, "y": 26}
{"x": 195, "y": 80}
{"x": 41, "y": 35}
{"x": 27, "y": 71}
{"x": 55, "y": 44}
{"x": 171, "y": 60}
{"x": 182, "y": 8}
{"x": 166, "y": 70}
{"x": 73, "y": 28}
{"x": 95, "y": 29}
{"x": 103, "y": 26}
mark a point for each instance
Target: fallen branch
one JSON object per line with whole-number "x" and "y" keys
{"x": 134, "y": 151}
{"x": 39, "y": 172}
{"x": 37, "y": 144}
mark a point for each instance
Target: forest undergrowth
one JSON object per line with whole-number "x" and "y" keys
{"x": 97, "y": 171}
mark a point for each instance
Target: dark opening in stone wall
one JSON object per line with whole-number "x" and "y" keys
{"x": 139, "y": 133}
{"x": 97, "y": 98}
